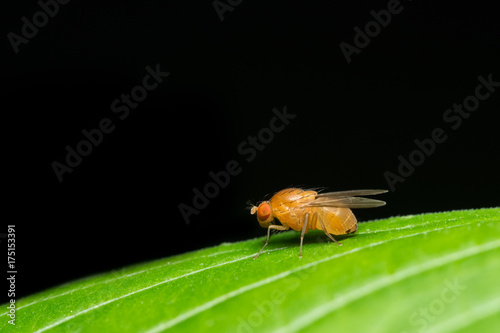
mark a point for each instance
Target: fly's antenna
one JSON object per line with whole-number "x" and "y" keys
{"x": 251, "y": 207}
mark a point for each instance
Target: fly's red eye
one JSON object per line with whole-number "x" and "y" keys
{"x": 263, "y": 212}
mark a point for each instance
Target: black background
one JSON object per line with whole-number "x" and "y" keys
{"x": 120, "y": 205}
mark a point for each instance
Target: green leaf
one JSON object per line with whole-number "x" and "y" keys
{"x": 436, "y": 272}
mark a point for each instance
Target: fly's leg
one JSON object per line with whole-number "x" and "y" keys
{"x": 304, "y": 228}
{"x": 275, "y": 227}
{"x": 324, "y": 229}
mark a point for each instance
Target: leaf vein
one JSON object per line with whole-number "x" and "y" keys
{"x": 65, "y": 319}
{"x": 182, "y": 317}
{"x": 327, "y": 308}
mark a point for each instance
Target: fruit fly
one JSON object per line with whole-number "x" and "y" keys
{"x": 304, "y": 210}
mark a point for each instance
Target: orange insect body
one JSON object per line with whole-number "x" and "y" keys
{"x": 290, "y": 207}
{"x": 304, "y": 210}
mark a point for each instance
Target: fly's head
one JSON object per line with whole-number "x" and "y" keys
{"x": 264, "y": 213}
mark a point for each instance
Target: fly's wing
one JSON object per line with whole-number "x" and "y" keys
{"x": 347, "y": 199}
{"x": 351, "y": 193}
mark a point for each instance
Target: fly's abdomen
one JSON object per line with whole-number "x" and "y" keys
{"x": 338, "y": 221}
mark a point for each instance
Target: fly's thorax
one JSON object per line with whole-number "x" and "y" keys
{"x": 285, "y": 200}
{"x": 288, "y": 206}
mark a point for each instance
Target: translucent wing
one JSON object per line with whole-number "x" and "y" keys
{"x": 347, "y": 199}
{"x": 351, "y": 193}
